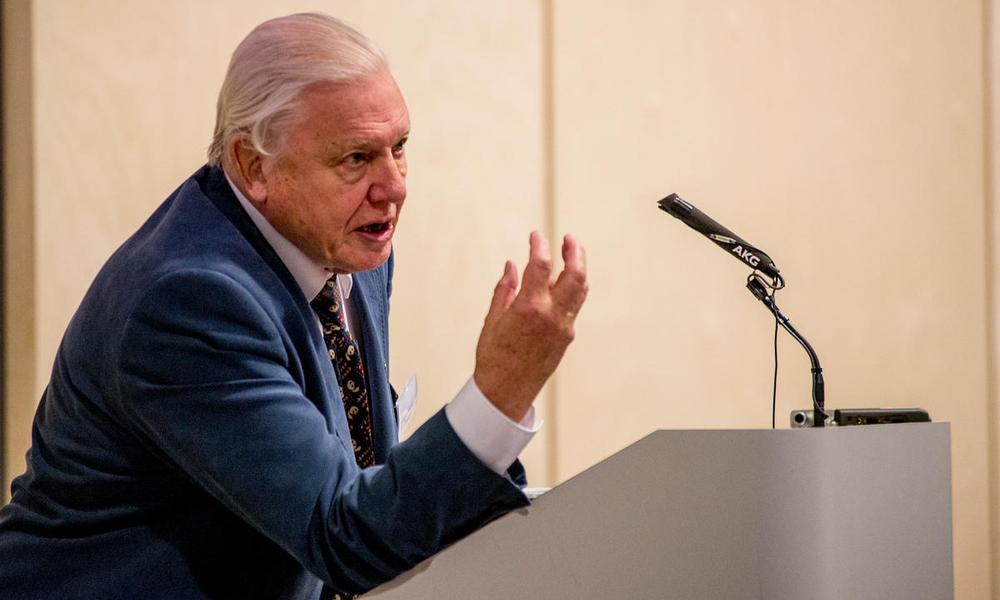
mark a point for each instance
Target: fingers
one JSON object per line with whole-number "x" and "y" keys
{"x": 570, "y": 289}
{"x": 574, "y": 255}
{"x": 508, "y": 282}
{"x": 539, "y": 268}
{"x": 503, "y": 293}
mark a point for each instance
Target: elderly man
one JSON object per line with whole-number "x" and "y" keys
{"x": 219, "y": 422}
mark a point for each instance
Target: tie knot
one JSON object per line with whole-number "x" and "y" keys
{"x": 327, "y": 302}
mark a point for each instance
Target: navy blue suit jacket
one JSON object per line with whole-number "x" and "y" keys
{"x": 192, "y": 441}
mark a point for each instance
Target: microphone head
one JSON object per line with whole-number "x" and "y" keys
{"x": 676, "y": 206}
{"x": 727, "y": 240}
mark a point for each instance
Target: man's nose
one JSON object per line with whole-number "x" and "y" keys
{"x": 388, "y": 180}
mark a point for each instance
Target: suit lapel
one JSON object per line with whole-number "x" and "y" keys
{"x": 216, "y": 188}
{"x": 370, "y": 302}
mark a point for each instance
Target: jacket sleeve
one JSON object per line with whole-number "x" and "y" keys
{"x": 205, "y": 376}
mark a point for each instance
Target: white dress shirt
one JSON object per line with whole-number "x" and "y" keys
{"x": 487, "y": 433}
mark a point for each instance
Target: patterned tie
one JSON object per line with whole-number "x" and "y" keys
{"x": 346, "y": 358}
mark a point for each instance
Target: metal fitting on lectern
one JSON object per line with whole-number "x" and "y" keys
{"x": 802, "y": 418}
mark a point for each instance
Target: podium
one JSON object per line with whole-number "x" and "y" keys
{"x": 834, "y": 513}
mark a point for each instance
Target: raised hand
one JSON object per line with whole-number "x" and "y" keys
{"x": 526, "y": 331}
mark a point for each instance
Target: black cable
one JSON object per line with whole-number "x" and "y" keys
{"x": 774, "y": 384}
{"x": 774, "y": 388}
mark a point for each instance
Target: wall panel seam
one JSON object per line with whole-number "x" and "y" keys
{"x": 549, "y": 198}
{"x": 991, "y": 221}
{"x": 3, "y": 269}
{"x": 19, "y": 325}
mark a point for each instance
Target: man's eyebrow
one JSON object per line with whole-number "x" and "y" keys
{"x": 371, "y": 143}
{"x": 354, "y": 143}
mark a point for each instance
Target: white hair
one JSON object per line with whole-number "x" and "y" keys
{"x": 273, "y": 65}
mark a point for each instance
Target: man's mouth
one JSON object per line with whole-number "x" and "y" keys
{"x": 379, "y": 231}
{"x": 375, "y": 227}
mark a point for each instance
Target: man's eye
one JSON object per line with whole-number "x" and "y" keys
{"x": 356, "y": 158}
{"x": 399, "y": 149}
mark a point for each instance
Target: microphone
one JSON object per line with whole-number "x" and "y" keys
{"x": 733, "y": 244}
{"x": 758, "y": 261}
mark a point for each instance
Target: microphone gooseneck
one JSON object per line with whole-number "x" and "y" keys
{"x": 759, "y": 289}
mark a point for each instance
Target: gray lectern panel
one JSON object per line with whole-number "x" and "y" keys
{"x": 850, "y": 512}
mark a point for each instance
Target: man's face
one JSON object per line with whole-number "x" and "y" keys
{"x": 338, "y": 184}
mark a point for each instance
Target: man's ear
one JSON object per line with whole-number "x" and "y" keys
{"x": 248, "y": 169}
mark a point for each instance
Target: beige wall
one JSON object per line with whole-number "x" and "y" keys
{"x": 853, "y": 141}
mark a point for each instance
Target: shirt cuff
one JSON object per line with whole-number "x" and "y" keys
{"x": 492, "y": 437}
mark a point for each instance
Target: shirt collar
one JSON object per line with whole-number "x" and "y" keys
{"x": 309, "y": 274}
